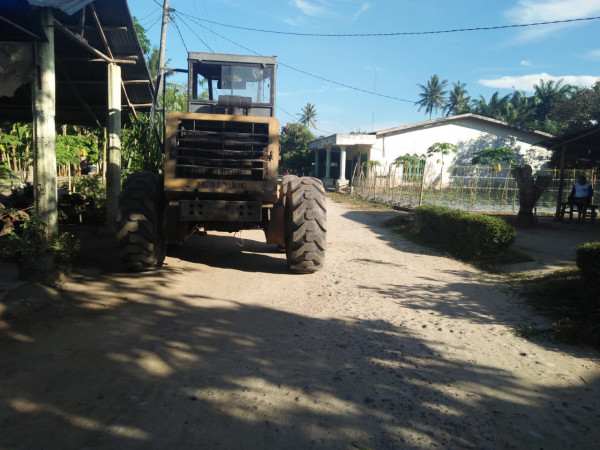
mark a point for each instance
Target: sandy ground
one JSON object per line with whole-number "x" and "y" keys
{"x": 391, "y": 346}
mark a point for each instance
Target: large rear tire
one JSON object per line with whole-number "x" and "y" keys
{"x": 305, "y": 224}
{"x": 140, "y": 234}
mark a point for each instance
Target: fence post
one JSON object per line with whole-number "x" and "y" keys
{"x": 422, "y": 186}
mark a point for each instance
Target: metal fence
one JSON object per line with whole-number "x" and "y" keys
{"x": 472, "y": 188}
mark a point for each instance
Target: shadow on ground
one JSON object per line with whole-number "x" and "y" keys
{"x": 133, "y": 365}
{"x": 159, "y": 372}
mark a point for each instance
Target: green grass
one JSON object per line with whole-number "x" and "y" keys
{"x": 572, "y": 302}
{"x": 357, "y": 201}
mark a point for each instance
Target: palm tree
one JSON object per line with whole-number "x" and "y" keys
{"x": 432, "y": 95}
{"x": 547, "y": 94}
{"x": 458, "y": 100}
{"x": 494, "y": 108}
{"x": 308, "y": 117}
{"x": 152, "y": 60}
{"x": 520, "y": 110}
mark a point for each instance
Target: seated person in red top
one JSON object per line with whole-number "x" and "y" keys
{"x": 83, "y": 165}
{"x": 581, "y": 196}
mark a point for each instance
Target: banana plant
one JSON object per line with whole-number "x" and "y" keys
{"x": 443, "y": 148}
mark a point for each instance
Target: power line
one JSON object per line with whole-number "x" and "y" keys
{"x": 147, "y": 15}
{"x": 192, "y": 30}
{"x": 399, "y": 33}
{"x": 347, "y": 86}
{"x": 158, "y": 19}
{"x": 150, "y": 18}
{"x": 179, "y": 32}
{"x": 206, "y": 15}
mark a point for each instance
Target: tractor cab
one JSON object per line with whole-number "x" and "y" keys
{"x": 231, "y": 84}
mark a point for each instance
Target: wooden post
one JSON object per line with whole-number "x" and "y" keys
{"x": 422, "y": 187}
{"x": 561, "y": 184}
{"x": 44, "y": 131}
{"x": 104, "y": 149}
{"x": 113, "y": 175}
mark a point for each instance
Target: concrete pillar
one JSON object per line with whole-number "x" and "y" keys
{"x": 328, "y": 164}
{"x": 316, "y": 163}
{"x": 342, "y": 163}
{"x": 44, "y": 127}
{"x": 113, "y": 174}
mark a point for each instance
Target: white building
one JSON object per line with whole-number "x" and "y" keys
{"x": 336, "y": 156}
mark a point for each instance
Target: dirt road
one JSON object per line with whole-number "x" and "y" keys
{"x": 390, "y": 346}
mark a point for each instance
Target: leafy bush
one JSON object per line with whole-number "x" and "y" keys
{"x": 464, "y": 235}
{"x": 588, "y": 260}
{"x": 91, "y": 185}
{"x": 6, "y": 173}
{"x": 33, "y": 241}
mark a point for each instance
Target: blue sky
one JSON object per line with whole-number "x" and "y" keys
{"x": 393, "y": 66}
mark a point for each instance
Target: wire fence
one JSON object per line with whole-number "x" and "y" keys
{"x": 471, "y": 188}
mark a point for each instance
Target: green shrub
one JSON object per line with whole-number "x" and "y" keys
{"x": 588, "y": 260}
{"x": 464, "y": 235}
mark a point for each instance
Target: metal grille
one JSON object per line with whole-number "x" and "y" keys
{"x": 222, "y": 150}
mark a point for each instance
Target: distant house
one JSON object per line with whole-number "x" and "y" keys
{"x": 337, "y": 155}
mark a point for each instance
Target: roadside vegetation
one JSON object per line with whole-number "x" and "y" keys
{"x": 570, "y": 298}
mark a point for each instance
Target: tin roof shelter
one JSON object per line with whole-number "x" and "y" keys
{"x": 88, "y": 35}
{"x": 579, "y": 150}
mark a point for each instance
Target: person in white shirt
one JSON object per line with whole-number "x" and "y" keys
{"x": 581, "y": 196}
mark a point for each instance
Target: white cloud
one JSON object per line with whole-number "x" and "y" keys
{"x": 532, "y": 11}
{"x": 365, "y": 7}
{"x": 529, "y": 11}
{"x": 309, "y": 8}
{"x": 526, "y": 82}
{"x": 594, "y": 54}
{"x": 525, "y": 63}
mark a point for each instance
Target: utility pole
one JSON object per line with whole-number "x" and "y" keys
{"x": 163, "y": 46}
{"x": 160, "y": 71}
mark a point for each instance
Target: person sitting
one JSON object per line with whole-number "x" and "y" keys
{"x": 581, "y": 196}
{"x": 83, "y": 166}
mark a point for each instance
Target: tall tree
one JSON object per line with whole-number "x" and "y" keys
{"x": 458, "y": 100}
{"x": 580, "y": 110}
{"x": 293, "y": 142}
{"x": 494, "y": 108}
{"x": 519, "y": 110}
{"x": 432, "y": 95}
{"x": 142, "y": 37}
{"x": 152, "y": 60}
{"x": 308, "y": 117}
{"x": 547, "y": 94}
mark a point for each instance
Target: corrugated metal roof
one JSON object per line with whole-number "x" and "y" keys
{"x": 18, "y": 23}
{"x": 68, "y": 6}
{"x": 81, "y": 74}
{"x": 461, "y": 117}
